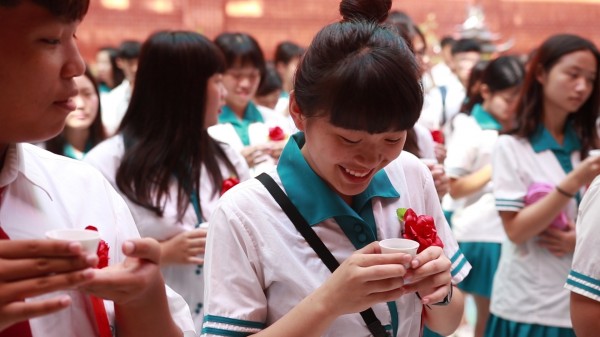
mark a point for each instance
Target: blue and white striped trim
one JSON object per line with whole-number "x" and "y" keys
{"x": 583, "y": 285}
{"x": 510, "y": 204}
{"x": 459, "y": 261}
{"x": 224, "y": 326}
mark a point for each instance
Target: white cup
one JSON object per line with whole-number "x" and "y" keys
{"x": 399, "y": 245}
{"x": 89, "y": 239}
{"x": 429, "y": 161}
{"x": 594, "y": 153}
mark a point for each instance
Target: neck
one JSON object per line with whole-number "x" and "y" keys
{"x": 238, "y": 110}
{"x": 554, "y": 121}
{"x": 77, "y": 138}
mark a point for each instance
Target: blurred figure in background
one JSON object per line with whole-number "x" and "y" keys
{"x": 83, "y": 127}
{"x": 107, "y": 73}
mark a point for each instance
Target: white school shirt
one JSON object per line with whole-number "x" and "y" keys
{"x": 270, "y": 268}
{"x": 476, "y": 219}
{"x": 584, "y": 277}
{"x": 46, "y": 191}
{"x": 187, "y": 280}
{"x": 425, "y": 142}
{"x": 114, "y": 106}
{"x": 528, "y": 285}
{"x": 258, "y": 133}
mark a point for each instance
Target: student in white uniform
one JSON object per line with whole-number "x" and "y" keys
{"x": 584, "y": 277}
{"x": 477, "y": 225}
{"x": 163, "y": 161}
{"x": 40, "y": 191}
{"x": 242, "y": 124}
{"x": 344, "y": 174}
{"x": 556, "y": 110}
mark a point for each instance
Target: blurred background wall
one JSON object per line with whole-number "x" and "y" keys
{"x": 516, "y": 25}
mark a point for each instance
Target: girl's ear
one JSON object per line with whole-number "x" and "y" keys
{"x": 297, "y": 116}
{"x": 540, "y": 74}
{"x": 485, "y": 92}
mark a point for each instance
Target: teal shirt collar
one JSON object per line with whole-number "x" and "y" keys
{"x": 299, "y": 181}
{"x": 485, "y": 120}
{"x": 542, "y": 140}
{"x": 251, "y": 115}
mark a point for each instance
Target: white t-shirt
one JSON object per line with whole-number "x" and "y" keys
{"x": 271, "y": 268}
{"x": 476, "y": 220}
{"x": 528, "y": 286}
{"x": 187, "y": 280}
{"x": 584, "y": 277}
{"x": 46, "y": 191}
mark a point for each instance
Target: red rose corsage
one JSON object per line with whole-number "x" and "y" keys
{"x": 228, "y": 184}
{"x": 276, "y": 134}
{"x": 102, "y": 251}
{"x": 420, "y": 228}
{"x": 438, "y": 136}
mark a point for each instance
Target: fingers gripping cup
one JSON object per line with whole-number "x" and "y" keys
{"x": 87, "y": 238}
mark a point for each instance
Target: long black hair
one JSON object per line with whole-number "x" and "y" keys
{"x": 163, "y": 128}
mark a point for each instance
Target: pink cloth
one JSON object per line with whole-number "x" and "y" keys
{"x": 538, "y": 190}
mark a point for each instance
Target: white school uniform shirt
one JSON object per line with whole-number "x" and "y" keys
{"x": 584, "y": 277}
{"x": 528, "y": 285}
{"x": 258, "y": 133}
{"x": 425, "y": 142}
{"x": 114, "y": 106}
{"x": 476, "y": 219}
{"x": 46, "y": 191}
{"x": 187, "y": 280}
{"x": 270, "y": 268}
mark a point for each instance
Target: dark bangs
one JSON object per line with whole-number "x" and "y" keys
{"x": 375, "y": 86}
{"x": 242, "y": 49}
{"x": 69, "y": 10}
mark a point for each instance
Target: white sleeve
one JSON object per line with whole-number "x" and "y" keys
{"x": 584, "y": 277}
{"x": 509, "y": 189}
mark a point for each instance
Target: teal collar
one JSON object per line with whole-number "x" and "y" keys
{"x": 251, "y": 115}
{"x": 485, "y": 120}
{"x": 542, "y": 140}
{"x": 69, "y": 151}
{"x": 300, "y": 181}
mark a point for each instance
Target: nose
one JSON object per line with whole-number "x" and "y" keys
{"x": 73, "y": 65}
{"x": 79, "y": 102}
{"x": 369, "y": 156}
{"x": 581, "y": 84}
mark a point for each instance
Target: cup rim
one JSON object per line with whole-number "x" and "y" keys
{"x": 384, "y": 241}
{"x": 65, "y": 234}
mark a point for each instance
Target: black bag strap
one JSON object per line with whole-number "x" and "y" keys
{"x": 373, "y": 323}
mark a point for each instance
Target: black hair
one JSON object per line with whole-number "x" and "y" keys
{"x": 359, "y": 73}
{"x": 164, "y": 129}
{"x": 466, "y": 45}
{"x": 117, "y": 73}
{"x": 286, "y": 51}
{"x": 271, "y": 82}
{"x": 243, "y": 49}
{"x": 68, "y": 10}
{"x": 129, "y": 50}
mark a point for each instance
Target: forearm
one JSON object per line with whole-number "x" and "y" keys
{"x": 584, "y": 315}
{"x": 307, "y": 319}
{"x": 147, "y": 318}
{"x": 533, "y": 219}
{"x": 445, "y": 319}
{"x": 469, "y": 184}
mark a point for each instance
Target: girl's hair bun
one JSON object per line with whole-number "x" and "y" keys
{"x": 365, "y": 10}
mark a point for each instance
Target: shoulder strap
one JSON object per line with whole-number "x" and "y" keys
{"x": 373, "y": 323}
{"x": 443, "y": 93}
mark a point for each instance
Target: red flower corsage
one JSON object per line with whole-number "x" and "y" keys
{"x": 276, "y": 134}
{"x": 102, "y": 251}
{"x": 420, "y": 228}
{"x": 229, "y": 183}
{"x": 438, "y": 136}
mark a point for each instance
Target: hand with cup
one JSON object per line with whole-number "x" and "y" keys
{"x": 66, "y": 266}
{"x": 399, "y": 245}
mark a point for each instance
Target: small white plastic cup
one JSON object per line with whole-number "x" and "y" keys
{"x": 89, "y": 239}
{"x": 594, "y": 153}
{"x": 399, "y": 245}
{"x": 429, "y": 162}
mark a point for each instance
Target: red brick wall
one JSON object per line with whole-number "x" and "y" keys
{"x": 527, "y": 21}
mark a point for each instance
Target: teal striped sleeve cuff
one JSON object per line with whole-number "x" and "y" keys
{"x": 224, "y": 326}
{"x": 460, "y": 267}
{"x": 583, "y": 285}
{"x": 510, "y": 204}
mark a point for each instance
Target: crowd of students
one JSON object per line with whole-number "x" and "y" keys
{"x": 166, "y": 137}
